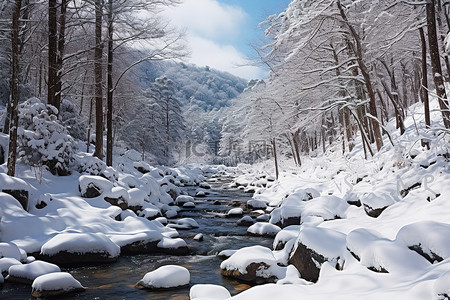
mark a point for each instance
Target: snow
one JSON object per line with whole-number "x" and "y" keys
{"x": 254, "y": 254}
{"x": 327, "y": 242}
{"x": 7, "y": 262}
{"x": 256, "y": 204}
{"x": 208, "y": 292}
{"x": 171, "y": 243}
{"x": 184, "y": 223}
{"x": 165, "y": 277}
{"x": 10, "y": 250}
{"x": 12, "y": 183}
{"x": 182, "y": 199}
{"x": 81, "y": 243}
{"x": 189, "y": 205}
{"x": 235, "y": 212}
{"x": 33, "y": 270}
{"x": 292, "y": 277}
{"x": 86, "y": 181}
{"x": 56, "y": 281}
{"x": 261, "y": 228}
{"x": 137, "y": 197}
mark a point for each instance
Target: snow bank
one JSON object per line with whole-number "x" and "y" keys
{"x": 10, "y": 250}
{"x": 165, "y": 277}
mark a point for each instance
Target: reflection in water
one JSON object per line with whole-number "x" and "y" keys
{"x": 117, "y": 280}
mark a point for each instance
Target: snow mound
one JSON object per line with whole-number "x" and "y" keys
{"x": 430, "y": 238}
{"x": 7, "y": 262}
{"x": 256, "y": 204}
{"x": 208, "y": 292}
{"x": 189, "y": 205}
{"x": 89, "y": 183}
{"x": 292, "y": 277}
{"x": 10, "y": 250}
{"x": 13, "y": 183}
{"x": 30, "y": 272}
{"x": 165, "y": 277}
{"x": 182, "y": 199}
{"x": 55, "y": 284}
{"x": 185, "y": 223}
{"x": 261, "y": 228}
{"x": 81, "y": 243}
{"x": 137, "y": 197}
{"x": 235, "y": 212}
{"x": 262, "y": 257}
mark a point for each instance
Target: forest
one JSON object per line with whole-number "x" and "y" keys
{"x": 126, "y": 171}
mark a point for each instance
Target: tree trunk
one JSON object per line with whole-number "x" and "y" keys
{"x": 52, "y": 52}
{"x": 98, "y": 81}
{"x": 424, "y": 89}
{"x": 60, "y": 53}
{"x": 358, "y": 51}
{"x": 436, "y": 63}
{"x": 274, "y": 148}
{"x": 14, "y": 119}
{"x": 109, "y": 114}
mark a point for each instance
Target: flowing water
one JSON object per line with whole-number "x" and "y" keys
{"x": 117, "y": 280}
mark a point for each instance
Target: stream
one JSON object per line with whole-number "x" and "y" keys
{"x": 117, "y": 280}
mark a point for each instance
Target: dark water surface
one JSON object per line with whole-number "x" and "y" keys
{"x": 117, "y": 280}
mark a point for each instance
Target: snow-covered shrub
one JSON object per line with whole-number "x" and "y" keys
{"x": 91, "y": 165}
{"x": 42, "y": 139}
{"x": 72, "y": 121}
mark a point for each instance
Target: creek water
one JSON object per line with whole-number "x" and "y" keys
{"x": 117, "y": 280}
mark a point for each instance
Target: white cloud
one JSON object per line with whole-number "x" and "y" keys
{"x": 207, "y": 18}
{"x": 226, "y": 58}
{"x": 211, "y": 28}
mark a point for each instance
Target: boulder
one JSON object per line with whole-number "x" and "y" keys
{"x": 313, "y": 247}
{"x": 19, "y": 195}
{"x": 263, "y": 229}
{"x": 29, "y": 272}
{"x": 245, "y": 221}
{"x": 55, "y": 285}
{"x": 165, "y": 277}
{"x": 208, "y": 291}
{"x": 182, "y": 199}
{"x": 235, "y": 212}
{"x": 93, "y": 186}
{"x": 256, "y": 204}
{"x": 80, "y": 248}
{"x": 255, "y": 265}
{"x": 375, "y": 203}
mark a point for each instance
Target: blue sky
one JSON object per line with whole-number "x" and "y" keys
{"x": 220, "y": 32}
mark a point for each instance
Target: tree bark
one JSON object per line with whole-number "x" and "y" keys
{"x": 98, "y": 53}
{"x": 424, "y": 88}
{"x": 358, "y": 51}
{"x": 60, "y": 53}
{"x": 274, "y": 148}
{"x": 109, "y": 100}
{"x": 14, "y": 119}
{"x": 52, "y": 52}
{"x": 436, "y": 63}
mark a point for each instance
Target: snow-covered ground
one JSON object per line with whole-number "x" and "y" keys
{"x": 371, "y": 229}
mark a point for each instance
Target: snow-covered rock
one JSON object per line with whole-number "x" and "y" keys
{"x": 182, "y": 199}
{"x": 117, "y": 196}
{"x": 29, "y": 272}
{"x": 254, "y": 264}
{"x": 55, "y": 284}
{"x": 76, "y": 248}
{"x": 189, "y": 205}
{"x": 10, "y": 250}
{"x": 166, "y": 277}
{"x": 313, "y": 247}
{"x": 263, "y": 229}
{"x": 93, "y": 186}
{"x": 429, "y": 239}
{"x": 208, "y": 292}
{"x": 137, "y": 197}
{"x": 184, "y": 223}
{"x": 198, "y": 237}
{"x": 245, "y": 221}
{"x": 256, "y": 204}
{"x": 375, "y": 203}
{"x": 235, "y": 212}
{"x": 7, "y": 262}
